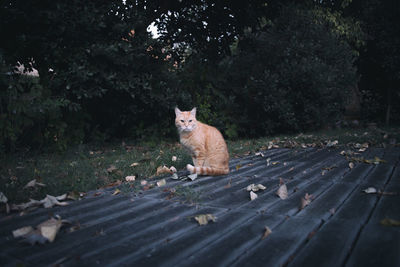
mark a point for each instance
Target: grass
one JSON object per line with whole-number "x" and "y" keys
{"x": 88, "y": 167}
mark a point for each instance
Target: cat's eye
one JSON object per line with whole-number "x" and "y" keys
{"x": 190, "y": 120}
{"x": 182, "y": 121}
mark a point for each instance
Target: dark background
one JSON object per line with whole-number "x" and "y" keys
{"x": 252, "y": 68}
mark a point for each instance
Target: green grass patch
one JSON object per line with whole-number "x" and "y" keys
{"x": 88, "y": 167}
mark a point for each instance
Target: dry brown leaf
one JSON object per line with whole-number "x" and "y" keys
{"x": 253, "y": 195}
{"x": 49, "y": 228}
{"x": 305, "y": 201}
{"x": 255, "y": 188}
{"x": 111, "y": 169}
{"x": 50, "y": 201}
{"x": 203, "y": 219}
{"x": 161, "y": 183}
{"x": 390, "y": 222}
{"x": 22, "y": 231}
{"x": 163, "y": 170}
{"x": 266, "y": 233}
{"x": 130, "y": 178}
{"x": 116, "y": 192}
{"x": 282, "y": 191}
{"x": 260, "y": 154}
{"x": 34, "y": 183}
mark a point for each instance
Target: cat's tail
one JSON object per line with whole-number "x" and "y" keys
{"x": 207, "y": 170}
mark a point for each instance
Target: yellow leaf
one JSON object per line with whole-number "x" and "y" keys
{"x": 162, "y": 170}
{"x": 203, "y": 219}
{"x": 49, "y": 228}
{"x": 238, "y": 167}
{"x": 390, "y": 222}
{"x": 116, "y": 192}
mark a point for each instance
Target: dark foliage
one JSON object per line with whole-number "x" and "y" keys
{"x": 251, "y": 67}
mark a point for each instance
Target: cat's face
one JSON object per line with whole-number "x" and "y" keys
{"x": 185, "y": 120}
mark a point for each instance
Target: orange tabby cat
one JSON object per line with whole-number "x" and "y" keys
{"x": 205, "y": 144}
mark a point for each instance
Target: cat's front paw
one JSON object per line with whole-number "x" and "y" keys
{"x": 190, "y": 168}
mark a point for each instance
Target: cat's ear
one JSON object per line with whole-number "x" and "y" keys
{"x": 177, "y": 111}
{"x": 193, "y": 112}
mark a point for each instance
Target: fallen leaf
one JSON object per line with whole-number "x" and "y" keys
{"x": 351, "y": 165}
{"x": 203, "y": 219}
{"x": 113, "y": 184}
{"x": 305, "y": 201}
{"x": 370, "y": 190}
{"x": 174, "y": 158}
{"x": 255, "y": 188}
{"x": 282, "y": 191}
{"x": 135, "y": 164}
{"x": 172, "y": 169}
{"x": 175, "y": 176}
{"x": 238, "y": 167}
{"x": 97, "y": 194}
{"x": 34, "y": 183}
{"x": 116, "y": 192}
{"x": 49, "y": 228}
{"x": 111, "y": 169}
{"x": 253, "y": 195}
{"x": 162, "y": 170}
{"x": 259, "y": 154}
{"x": 291, "y": 169}
{"x": 193, "y": 176}
{"x": 161, "y": 183}
{"x": 332, "y": 144}
{"x": 130, "y": 178}
{"x": 143, "y": 182}
{"x": 3, "y": 198}
{"x": 50, "y": 201}
{"x": 266, "y": 233}
{"x": 268, "y": 161}
{"x": 275, "y": 162}
{"x": 22, "y": 231}
{"x": 390, "y": 222}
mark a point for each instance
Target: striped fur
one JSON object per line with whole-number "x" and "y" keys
{"x": 206, "y": 170}
{"x": 205, "y": 144}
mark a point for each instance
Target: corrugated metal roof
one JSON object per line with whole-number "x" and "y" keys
{"x": 341, "y": 225}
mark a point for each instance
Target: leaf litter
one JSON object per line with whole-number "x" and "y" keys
{"x": 282, "y": 190}
{"x": 42, "y": 233}
{"x": 203, "y": 219}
